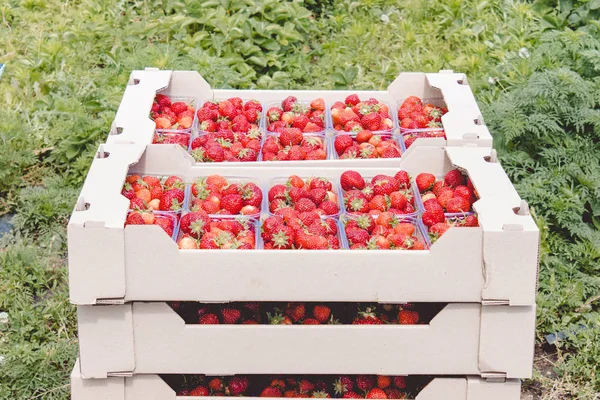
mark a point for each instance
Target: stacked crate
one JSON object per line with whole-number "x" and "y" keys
{"x": 478, "y": 346}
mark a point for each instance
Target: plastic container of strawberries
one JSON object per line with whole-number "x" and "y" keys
{"x": 406, "y": 134}
{"x": 391, "y": 111}
{"x": 231, "y": 179}
{"x": 283, "y": 180}
{"x": 413, "y": 189}
{"x": 177, "y": 213}
{"x": 301, "y": 102}
{"x": 197, "y": 134}
{"x": 340, "y": 232}
{"x": 454, "y": 219}
{"x": 322, "y": 136}
{"x": 190, "y": 101}
{"x": 253, "y": 222}
{"x": 420, "y": 229}
{"x": 260, "y": 120}
{"x": 168, "y": 215}
{"x": 385, "y": 136}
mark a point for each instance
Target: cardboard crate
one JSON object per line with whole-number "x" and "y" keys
{"x": 463, "y": 124}
{"x": 109, "y": 263}
{"x": 463, "y": 338}
{"x": 153, "y": 387}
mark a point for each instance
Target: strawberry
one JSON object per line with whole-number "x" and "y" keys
{"x": 383, "y": 381}
{"x": 357, "y": 236}
{"x": 173, "y": 182}
{"x": 172, "y": 200}
{"x": 237, "y": 386}
{"x": 232, "y": 203}
{"x": 454, "y": 178}
{"x": 304, "y": 204}
{"x": 271, "y": 392}
{"x": 408, "y": 317}
{"x": 209, "y": 319}
{"x": 425, "y": 181}
{"x": 433, "y": 214}
{"x": 134, "y": 218}
{"x": 399, "y": 382}
{"x": 376, "y": 393}
{"x": 318, "y": 104}
{"x": 352, "y": 395}
{"x": 288, "y": 103}
{"x": 200, "y": 391}
{"x": 352, "y": 180}
{"x": 365, "y": 382}
{"x": 371, "y": 121}
{"x": 227, "y": 109}
{"x": 352, "y": 100}
{"x": 458, "y": 205}
{"x": 194, "y": 223}
{"x": 321, "y": 313}
{"x": 290, "y": 137}
{"x": 230, "y": 315}
{"x": 274, "y": 114}
{"x": 471, "y": 220}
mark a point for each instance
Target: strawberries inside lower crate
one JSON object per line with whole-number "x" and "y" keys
{"x": 306, "y": 313}
{"x": 299, "y": 386}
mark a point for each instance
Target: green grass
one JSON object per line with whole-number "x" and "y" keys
{"x": 65, "y": 77}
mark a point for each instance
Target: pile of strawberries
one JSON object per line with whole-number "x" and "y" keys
{"x": 165, "y": 221}
{"x": 199, "y": 231}
{"x": 413, "y": 114}
{"x": 153, "y": 193}
{"x": 231, "y": 114}
{"x": 305, "y": 313}
{"x": 182, "y": 139}
{"x": 229, "y": 131}
{"x": 381, "y": 193}
{"x": 292, "y": 229}
{"x": 300, "y": 386}
{"x": 290, "y": 144}
{"x": 354, "y": 115}
{"x": 215, "y": 194}
{"x": 365, "y": 144}
{"x": 313, "y": 194}
{"x": 171, "y": 116}
{"x": 384, "y": 232}
{"x": 454, "y": 194}
{"x": 296, "y": 114}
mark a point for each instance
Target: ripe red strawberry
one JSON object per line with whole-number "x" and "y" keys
{"x": 271, "y": 392}
{"x": 371, "y": 121}
{"x": 311, "y": 321}
{"x": 341, "y": 143}
{"x": 425, "y": 181}
{"x": 304, "y": 204}
{"x": 352, "y": 395}
{"x": 322, "y": 313}
{"x": 209, "y": 319}
{"x": 200, "y": 391}
{"x": 288, "y": 103}
{"x": 352, "y": 180}
{"x": 291, "y": 136}
{"x": 227, "y": 109}
{"x": 172, "y": 200}
{"x": 365, "y": 382}
{"x": 376, "y": 393}
{"x": 300, "y": 121}
{"x": 399, "y": 382}
{"x": 232, "y": 203}
{"x": 296, "y": 311}
{"x": 471, "y": 220}
{"x": 305, "y": 386}
{"x": 274, "y": 114}
{"x": 454, "y": 178}
{"x": 458, "y": 205}
{"x": 166, "y": 223}
{"x": 318, "y": 104}
{"x": 134, "y": 218}
{"x": 433, "y": 214}
{"x": 357, "y": 236}
{"x": 343, "y": 385}
{"x": 352, "y": 100}
{"x": 408, "y": 317}
{"x": 194, "y": 223}
{"x": 230, "y": 315}
{"x": 237, "y": 386}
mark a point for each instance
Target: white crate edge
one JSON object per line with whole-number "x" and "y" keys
{"x": 486, "y": 272}
{"x": 463, "y": 339}
{"x": 463, "y": 123}
{"x": 152, "y": 387}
